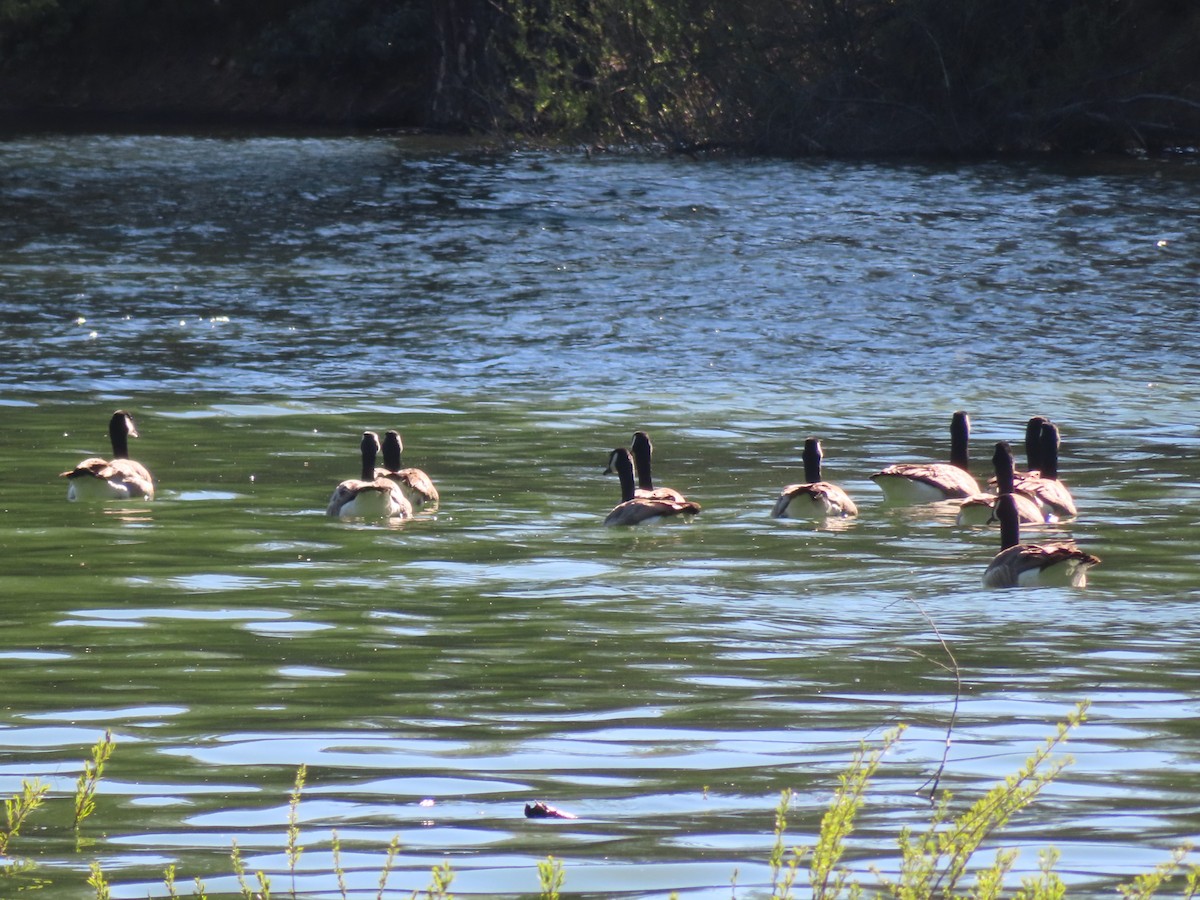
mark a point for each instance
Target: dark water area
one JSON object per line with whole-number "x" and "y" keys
{"x": 257, "y": 303}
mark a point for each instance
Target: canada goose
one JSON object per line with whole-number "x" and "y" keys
{"x": 642, "y": 450}
{"x": 1033, "y": 449}
{"x": 929, "y": 482}
{"x": 815, "y": 498}
{"x": 1043, "y": 486}
{"x": 979, "y": 509}
{"x": 120, "y": 478}
{"x": 417, "y": 486}
{"x": 1020, "y": 564}
{"x": 370, "y": 497}
{"x": 1033, "y": 444}
{"x": 633, "y": 510}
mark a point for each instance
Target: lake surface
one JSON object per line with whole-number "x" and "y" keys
{"x": 258, "y": 302}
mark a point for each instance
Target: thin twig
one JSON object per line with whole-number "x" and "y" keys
{"x": 934, "y": 780}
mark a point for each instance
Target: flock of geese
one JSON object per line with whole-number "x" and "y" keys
{"x": 1035, "y": 496}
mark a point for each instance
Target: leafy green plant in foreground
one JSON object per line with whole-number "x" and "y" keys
{"x": 936, "y": 861}
{"x": 293, "y": 831}
{"x": 89, "y": 779}
{"x": 17, "y": 809}
{"x": 551, "y": 875}
{"x": 388, "y": 863}
{"x": 1147, "y": 884}
{"x": 97, "y": 882}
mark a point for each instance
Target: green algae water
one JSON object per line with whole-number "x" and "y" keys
{"x": 256, "y": 303}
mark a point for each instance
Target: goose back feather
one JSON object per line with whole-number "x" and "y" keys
{"x": 980, "y": 509}
{"x": 642, "y": 450}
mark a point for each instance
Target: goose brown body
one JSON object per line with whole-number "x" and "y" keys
{"x": 979, "y": 509}
{"x": 930, "y": 482}
{"x": 635, "y": 510}
{"x": 1043, "y": 486}
{"x": 1020, "y": 564}
{"x": 813, "y": 498}
{"x": 368, "y": 497}
{"x": 417, "y": 486}
{"x": 119, "y": 478}
{"x": 642, "y": 451}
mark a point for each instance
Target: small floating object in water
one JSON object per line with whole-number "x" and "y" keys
{"x": 539, "y": 810}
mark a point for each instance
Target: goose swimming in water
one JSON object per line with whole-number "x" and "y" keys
{"x": 1019, "y": 565}
{"x": 814, "y": 498}
{"x": 1033, "y": 449}
{"x": 979, "y": 509}
{"x": 119, "y": 478}
{"x": 417, "y": 486}
{"x": 369, "y": 497}
{"x": 1033, "y": 445}
{"x": 1043, "y": 486}
{"x": 634, "y": 510}
{"x": 907, "y": 483}
{"x": 642, "y": 451}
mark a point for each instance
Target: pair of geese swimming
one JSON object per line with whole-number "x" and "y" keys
{"x": 388, "y": 493}
{"x": 1032, "y": 497}
{"x": 391, "y": 492}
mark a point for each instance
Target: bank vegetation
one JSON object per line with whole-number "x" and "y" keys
{"x": 780, "y": 77}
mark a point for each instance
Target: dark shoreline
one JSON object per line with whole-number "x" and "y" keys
{"x": 906, "y": 79}
{"x": 25, "y": 123}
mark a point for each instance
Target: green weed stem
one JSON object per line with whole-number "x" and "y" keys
{"x": 17, "y": 809}
{"x": 293, "y": 831}
{"x": 97, "y": 882}
{"x": 439, "y": 885}
{"x": 239, "y": 869}
{"x": 337, "y": 863}
{"x": 388, "y": 863}
{"x": 783, "y": 870}
{"x": 89, "y": 780}
{"x": 1146, "y": 885}
{"x": 551, "y": 874}
{"x": 828, "y": 880}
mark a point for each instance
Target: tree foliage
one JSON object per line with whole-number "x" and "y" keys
{"x": 763, "y": 76}
{"x": 857, "y": 76}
